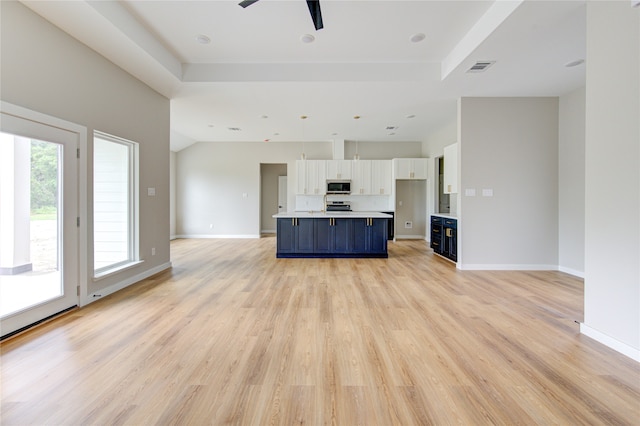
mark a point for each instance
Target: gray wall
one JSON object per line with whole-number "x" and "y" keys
{"x": 509, "y": 145}
{"x": 612, "y": 239}
{"x": 382, "y": 150}
{"x": 47, "y": 71}
{"x": 410, "y": 206}
{"x": 172, "y": 195}
{"x": 571, "y": 183}
{"x": 213, "y": 178}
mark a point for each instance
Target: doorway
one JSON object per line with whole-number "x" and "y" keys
{"x": 273, "y": 194}
{"x": 38, "y": 221}
{"x": 443, "y": 202}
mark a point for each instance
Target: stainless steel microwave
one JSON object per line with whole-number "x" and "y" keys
{"x": 338, "y": 187}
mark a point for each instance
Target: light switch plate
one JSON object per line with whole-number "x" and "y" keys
{"x": 470, "y": 192}
{"x": 151, "y": 192}
{"x": 488, "y": 192}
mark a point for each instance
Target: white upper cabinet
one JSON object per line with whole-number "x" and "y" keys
{"x": 311, "y": 177}
{"x": 361, "y": 177}
{"x": 410, "y": 168}
{"x": 381, "y": 177}
{"x": 338, "y": 169}
{"x": 451, "y": 169}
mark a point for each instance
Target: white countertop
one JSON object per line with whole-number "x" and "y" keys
{"x": 445, "y": 215}
{"x": 320, "y": 214}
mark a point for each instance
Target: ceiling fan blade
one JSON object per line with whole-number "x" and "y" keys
{"x": 316, "y": 13}
{"x": 245, "y": 3}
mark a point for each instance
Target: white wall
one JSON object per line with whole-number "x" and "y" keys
{"x": 47, "y": 71}
{"x": 571, "y": 183}
{"x": 612, "y": 199}
{"x": 509, "y": 146}
{"x": 212, "y": 178}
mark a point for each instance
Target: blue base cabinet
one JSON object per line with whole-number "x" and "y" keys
{"x": 295, "y": 235}
{"x": 332, "y": 237}
{"x": 444, "y": 237}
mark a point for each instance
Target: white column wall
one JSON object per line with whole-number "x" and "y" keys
{"x": 612, "y": 199}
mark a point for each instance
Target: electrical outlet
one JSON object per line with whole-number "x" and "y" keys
{"x": 408, "y": 224}
{"x": 153, "y": 251}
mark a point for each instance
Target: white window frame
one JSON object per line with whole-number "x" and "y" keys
{"x": 133, "y": 199}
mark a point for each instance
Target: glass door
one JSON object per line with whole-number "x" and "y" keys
{"x": 38, "y": 222}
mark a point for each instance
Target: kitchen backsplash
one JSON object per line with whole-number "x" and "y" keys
{"x": 364, "y": 203}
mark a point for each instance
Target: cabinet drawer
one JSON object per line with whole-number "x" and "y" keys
{"x": 436, "y": 220}
{"x": 451, "y": 223}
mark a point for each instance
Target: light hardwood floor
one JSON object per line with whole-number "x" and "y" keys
{"x": 232, "y": 335}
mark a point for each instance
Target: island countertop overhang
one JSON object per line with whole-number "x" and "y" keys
{"x": 338, "y": 214}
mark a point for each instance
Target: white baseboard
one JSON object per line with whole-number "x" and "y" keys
{"x": 172, "y": 237}
{"x": 519, "y": 267}
{"x": 610, "y": 342}
{"x": 506, "y": 267}
{"x": 574, "y": 272}
{"x": 218, "y": 236}
{"x": 409, "y": 237}
{"x": 124, "y": 283}
{"x": 268, "y": 231}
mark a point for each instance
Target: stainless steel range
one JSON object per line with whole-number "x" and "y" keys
{"x": 338, "y": 206}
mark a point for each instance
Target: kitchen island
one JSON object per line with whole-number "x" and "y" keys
{"x": 332, "y": 234}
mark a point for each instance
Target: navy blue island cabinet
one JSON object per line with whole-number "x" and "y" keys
{"x": 295, "y": 235}
{"x": 327, "y": 236}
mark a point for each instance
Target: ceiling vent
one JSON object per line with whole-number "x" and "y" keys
{"x": 234, "y": 129}
{"x": 391, "y": 127}
{"x": 481, "y": 66}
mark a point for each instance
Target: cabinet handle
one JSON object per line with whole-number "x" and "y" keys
{"x": 448, "y": 232}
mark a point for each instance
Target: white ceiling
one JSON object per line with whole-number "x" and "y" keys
{"x": 257, "y": 75}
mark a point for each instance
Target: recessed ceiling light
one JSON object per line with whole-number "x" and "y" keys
{"x": 307, "y": 38}
{"x": 211, "y": 125}
{"x": 392, "y": 133}
{"x": 203, "y": 39}
{"x": 417, "y": 38}
{"x": 334, "y": 134}
{"x": 234, "y": 129}
{"x": 574, "y": 63}
{"x": 411, "y": 116}
{"x": 391, "y": 127}
{"x": 276, "y": 134}
{"x": 264, "y": 116}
